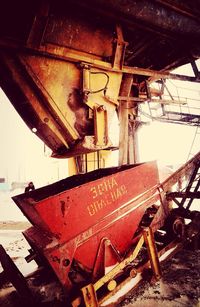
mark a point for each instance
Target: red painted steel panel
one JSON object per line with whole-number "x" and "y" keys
{"x": 79, "y": 217}
{"x": 73, "y": 211}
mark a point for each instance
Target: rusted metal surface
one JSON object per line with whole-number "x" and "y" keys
{"x": 183, "y": 172}
{"x": 153, "y": 256}
{"x": 66, "y": 67}
{"x": 13, "y": 275}
{"x": 185, "y": 195}
{"x": 99, "y": 230}
{"x": 48, "y": 93}
{"x": 47, "y": 45}
{"x": 107, "y": 209}
{"x": 119, "y": 50}
{"x": 125, "y": 90}
{"x": 89, "y": 296}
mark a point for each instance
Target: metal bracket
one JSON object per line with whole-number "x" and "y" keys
{"x": 100, "y": 126}
{"x": 153, "y": 255}
{"x": 89, "y": 292}
{"x": 120, "y": 47}
{"x": 89, "y": 296}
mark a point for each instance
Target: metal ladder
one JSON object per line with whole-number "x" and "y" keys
{"x": 187, "y": 195}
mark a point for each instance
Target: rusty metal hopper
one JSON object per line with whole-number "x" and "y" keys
{"x": 71, "y": 217}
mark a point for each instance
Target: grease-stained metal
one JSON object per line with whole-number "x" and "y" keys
{"x": 43, "y": 50}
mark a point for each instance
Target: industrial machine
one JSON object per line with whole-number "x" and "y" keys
{"x": 102, "y": 230}
{"x": 77, "y": 73}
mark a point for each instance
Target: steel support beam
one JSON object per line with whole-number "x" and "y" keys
{"x": 67, "y": 54}
{"x": 123, "y": 119}
{"x": 185, "y": 195}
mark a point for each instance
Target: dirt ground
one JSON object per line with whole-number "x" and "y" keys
{"x": 179, "y": 285}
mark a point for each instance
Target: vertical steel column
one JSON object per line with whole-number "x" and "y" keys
{"x": 153, "y": 255}
{"x": 123, "y": 119}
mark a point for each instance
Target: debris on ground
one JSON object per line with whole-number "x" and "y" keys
{"x": 179, "y": 285}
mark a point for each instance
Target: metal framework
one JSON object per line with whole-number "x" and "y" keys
{"x": 68, "y": 75}
{"x": 155, "y": 229}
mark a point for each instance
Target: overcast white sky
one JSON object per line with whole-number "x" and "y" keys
{"x": 22, "y": 153}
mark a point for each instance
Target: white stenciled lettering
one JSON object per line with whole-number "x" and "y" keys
{"x": 107, "y": 198}
{"x": 91, "y": 210}
{"x": 94, "y": 192}
{"x": 119, "y": 192}
{"x": 103, "y": 187}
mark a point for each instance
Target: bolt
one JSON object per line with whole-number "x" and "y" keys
{"x": 101, "y": 108}
{"x": 66, "y": 262}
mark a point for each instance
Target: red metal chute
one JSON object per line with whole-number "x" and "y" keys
{"x": 73, "y": 217}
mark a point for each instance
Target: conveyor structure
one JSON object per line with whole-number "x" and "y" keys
{"x": 76, "y": 72}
